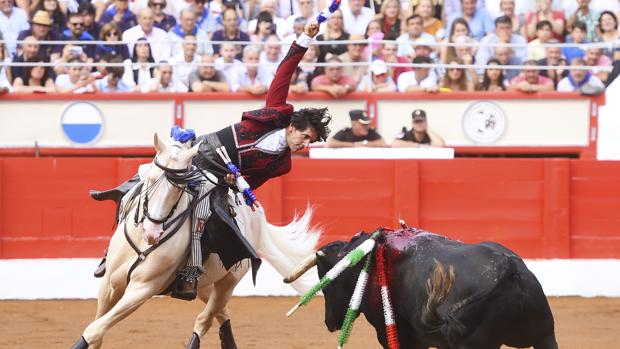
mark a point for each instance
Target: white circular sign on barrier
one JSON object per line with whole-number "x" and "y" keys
{"x": 82, "y": 122}
{"x": 484, "y": 122}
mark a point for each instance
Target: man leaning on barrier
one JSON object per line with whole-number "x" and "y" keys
{"x": 260, "y": 146}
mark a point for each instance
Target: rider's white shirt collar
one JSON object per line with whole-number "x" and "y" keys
{"x": 275, "y": 142}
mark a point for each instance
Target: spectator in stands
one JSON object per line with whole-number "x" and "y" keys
{"x": 41, "y": 29}
{"x": 543, "y": 35}
{"x": 36, "y": 78}
{"x": 156, "y": 37}
{"x": 264, "y": 28}
{"x": 608, "y": 28}
{"x": 76, "y": 32}
{"x": 586, "y": 15}
{"x": 270, "y": 6}
{"x": 334, "y": 31}
{"x": 299, "y": 83}
{"x": 206, "y": 78}
{"x": 423, "y": 49}
{"x": 432, "y": 25}
{"x": 419, "y": 79}
{"x": 503, "y": 35}
{"x": 138, "y": 71}
{"x": 577, "y": 78}
{"x": 13, "y": 20}
{"x": 231, "y": 31}
{"x": 458, "y": 28}
{"x": 594, "y": 57}
{"x": 414, "y": 32}
{"x": 374, "y": 33}
{"x": 419, "y": 136}
{"x": 232, "y": 68}
{"x": 251, "y": 80}
{"x": 356, "y": 17}
{"x": 577, "y": 36}
{"x": 389, "y": 17}
{"x": 379, "y": 80}
{"x": 187, "y": 26}
{"x": 56, "y": 14}
{"x": 456, "y": 79}
{"x": 355, "y": 54}
{"x": 270, "y": 58}
{"x": 298, "y": 28}
{"x": 163, "y": 80}
{"x": 30, "y": 50}
{"x": 505, "y": 56}
{"x": 454, "y": 6}
{"x": 493, "y": 79}
{"x": 388, "y": 55}
{"x": 76, "y": 80}
{"x": 508, "y": 8}
{"x": 616, "y": 67}
{"x": 120, "y": 15}
{"x": 530, "y": 81}
{"x": 334, "y": 81}
{"x": 544, "y": 12}
{"x": 113, "y": 81}
{"x": 553, "y": 56}
{"x": 111, "y": 32}
{"x": 306, "y": 71}
{"x": 186, "y": 61}
{"x": 306, "y": 10}
{"x": 87, "y": 10}
{"x": 161, "y": 19}
{"x": 5, "y": 73}
{"x": 465, "y": 51}
{"x": 360, "y": 134}
{"x": 69, "y": 52}
{"x": 479, "y": 20}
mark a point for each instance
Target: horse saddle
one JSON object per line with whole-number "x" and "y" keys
{"x": 223, "y": 236}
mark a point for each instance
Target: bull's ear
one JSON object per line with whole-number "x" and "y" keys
{"x": 160, "y": 146}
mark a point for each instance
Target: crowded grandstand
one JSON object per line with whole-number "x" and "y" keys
{"x": 371, "y": 46}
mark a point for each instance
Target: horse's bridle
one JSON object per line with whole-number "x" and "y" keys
{"x": 179, "y": 178}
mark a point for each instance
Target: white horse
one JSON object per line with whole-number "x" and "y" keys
{"x": 120, "y": 295}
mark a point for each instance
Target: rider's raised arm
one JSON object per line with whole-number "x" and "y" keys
{"x": 278, "y": 91}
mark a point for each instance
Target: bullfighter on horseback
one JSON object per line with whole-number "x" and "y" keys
{"x": 260, "y": 146}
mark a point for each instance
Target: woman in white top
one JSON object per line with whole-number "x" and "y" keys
{"x": 139, "y": 70}
{"x": 5, "y": 72}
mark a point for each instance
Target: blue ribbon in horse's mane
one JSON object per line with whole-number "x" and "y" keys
{"x": 182, "y": 135}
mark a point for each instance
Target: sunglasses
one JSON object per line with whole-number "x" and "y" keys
{"x": 112, "y": 34}
{"x": 78, "y": 24}
{"x": 158, "y": 4}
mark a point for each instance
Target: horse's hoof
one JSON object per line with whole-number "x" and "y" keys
{"x": 194, "y": 342}
{"x": 80, "y": 344}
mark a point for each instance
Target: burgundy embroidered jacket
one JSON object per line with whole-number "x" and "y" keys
{"x": 240, "y": 139}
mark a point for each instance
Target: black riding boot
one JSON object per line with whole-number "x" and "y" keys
{"x": 117, "y": 193}
{"x": 227, "y": 340}
{"x": 100, "y": 271}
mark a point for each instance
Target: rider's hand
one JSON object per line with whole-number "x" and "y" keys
{"x": 229, "y": 179}
{"x": 312, "y": 28}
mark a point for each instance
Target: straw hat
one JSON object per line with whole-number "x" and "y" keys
{"x": 42, "y": 17}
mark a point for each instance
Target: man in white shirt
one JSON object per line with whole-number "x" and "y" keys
{"x": 503, "y": 35}
{"x": 187, "y": 26}
{"x": 164, "y": 81}
{"x": 270, "y": 58}
{"x": 13, "y": 20}
{"x": 77, "y": 79}
{"x": 251, "y": 80}
{"x": 232, "y": 68}
{"x": 415, "y": 31}
{"x": 270, "y": 6}
{"x": 356, "y": 17}
{"x": 156, "y": 37}
{"x": 186, "y": 61}
{"x": 577, "y": 78}
{"x": 306, "y": 10}
{"x": 419, "y": 79}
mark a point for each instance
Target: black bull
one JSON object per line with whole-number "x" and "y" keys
{"x": 445, "y": 293}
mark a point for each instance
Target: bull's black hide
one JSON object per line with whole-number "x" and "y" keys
{"x": 445, "y": 293}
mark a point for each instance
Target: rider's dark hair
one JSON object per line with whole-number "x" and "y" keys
{"x": 317, "y": 118}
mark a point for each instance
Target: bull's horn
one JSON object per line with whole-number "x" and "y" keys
{"x": 308, "y": 263}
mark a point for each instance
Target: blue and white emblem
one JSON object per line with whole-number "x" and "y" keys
{"x": 82, "y": 122}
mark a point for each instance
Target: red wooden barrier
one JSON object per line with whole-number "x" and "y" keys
{"x": 542, "y": 208}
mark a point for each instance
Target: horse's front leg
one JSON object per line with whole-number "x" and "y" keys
{"x": 216, "y": 297}
{"x": 135, "y": 295}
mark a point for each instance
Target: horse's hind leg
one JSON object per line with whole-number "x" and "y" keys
{"x": 135, "y": 295}
{"x": 216, "y": 297}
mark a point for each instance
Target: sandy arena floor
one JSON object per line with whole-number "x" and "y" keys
{"x": 258, "y": 322}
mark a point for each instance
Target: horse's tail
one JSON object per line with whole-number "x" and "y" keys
{"x": 285, "y": 247}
